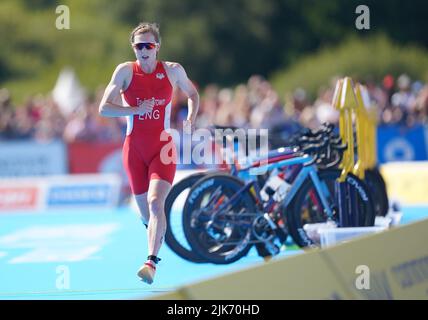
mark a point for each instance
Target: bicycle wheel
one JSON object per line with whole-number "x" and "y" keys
{"x": 376, "y": 183}
{"x": 306, "y": 207}
{"x": 174, "y": 203}
{"x": 225, "y": 237}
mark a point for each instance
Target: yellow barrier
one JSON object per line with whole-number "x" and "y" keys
{"x": 396, "y": 262}
{"x": 305, "y": 276}
{"x": 362, "y": 131}
{"x": 407, "y": 181}
{"x": 345, "y": 101}
{"x": 352, "y": 103}
{"x": 174, "y": 295}
{"x": 371, "y": 114}
{"x": 336, "y": 104}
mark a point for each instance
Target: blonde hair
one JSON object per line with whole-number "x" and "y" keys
{"x": 146, "y": 27}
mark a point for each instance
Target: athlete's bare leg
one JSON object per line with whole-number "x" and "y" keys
{"x": 143, "y": 207}
{"x": 158, "y": 191}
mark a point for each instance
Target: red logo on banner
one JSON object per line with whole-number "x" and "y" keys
{"x": 18, "y": 198}
{"x": 87, "y": 157}
{"x": 84, "y": 157}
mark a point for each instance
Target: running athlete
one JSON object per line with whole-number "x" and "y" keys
{"x": 141, "y": 91}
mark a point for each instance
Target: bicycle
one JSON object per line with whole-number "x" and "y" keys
{"x": 174, "y": 236}
{"x": 223, "y": 216}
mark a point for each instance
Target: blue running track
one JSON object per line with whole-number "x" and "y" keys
{"x": 101, "y": 251}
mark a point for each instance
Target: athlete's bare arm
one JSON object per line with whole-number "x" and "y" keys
{"x": 177, "y": 72}
{"x": 119, "y": 82}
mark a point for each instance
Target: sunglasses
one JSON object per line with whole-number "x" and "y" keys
{"x": 147, "y": 45}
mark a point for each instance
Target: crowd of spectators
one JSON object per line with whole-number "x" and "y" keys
{"x": 255, "y": 104}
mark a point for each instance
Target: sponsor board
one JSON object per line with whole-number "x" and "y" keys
{"x": 20, "y": 198}
{"x": 96, "y": 194}
{"x": 400, "y": 143}
{"x": 368, "y": 268}
{"x": 87, "y": 157}
{"x": 406, "y": 182}
{"x": 312, "y": 278}
{"x": 54, "y": 192}
{"x": 92, "y": 190}
{"x": 391, "y": 274}
{"x": 29, "y": 158}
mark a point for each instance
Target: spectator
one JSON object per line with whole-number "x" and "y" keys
{"x": 252, "y": 105}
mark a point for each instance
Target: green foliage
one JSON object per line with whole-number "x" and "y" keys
{"x": 222, "y": 41}
{"x": 33, "y": 51}
{"x": 369, "y": 58}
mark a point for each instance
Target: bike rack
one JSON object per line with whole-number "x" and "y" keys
{"x": 353, "y": 103}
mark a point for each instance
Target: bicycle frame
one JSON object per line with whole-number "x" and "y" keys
{"x": 305, "y": 171}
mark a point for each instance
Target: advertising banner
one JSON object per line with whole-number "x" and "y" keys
{"x": 59, "y": 192}
{"x": 29, "y": 158}
{"x": 399, "y": 143}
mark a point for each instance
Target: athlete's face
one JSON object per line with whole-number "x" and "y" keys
{"x": 145, "y": 53}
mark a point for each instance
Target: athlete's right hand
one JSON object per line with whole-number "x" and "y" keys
{"x": 145, "y": 107}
